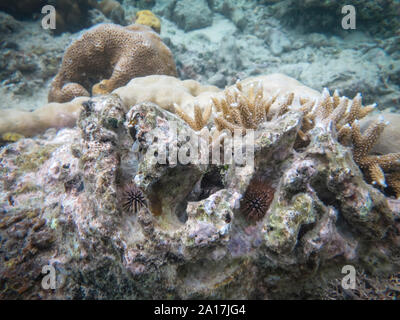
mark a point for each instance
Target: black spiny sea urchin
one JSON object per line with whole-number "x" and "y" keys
{"x": 257, "y": 199}
{"x": 133, "y": 198}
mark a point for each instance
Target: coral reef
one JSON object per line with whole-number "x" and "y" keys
{"x": 148, "y": 18}
{"x": 107, "y": 57}
{"x": 344, "y": 115}
{"x": 387, "y": 141}
{"x": 386, "y": 144}
{"x": 116, "y": 219}
{"x": 238, "y": 111}
{"x": 29, "y": 58}
{"x": 232, "y": 47}
{"x": 241, "y": 107}
{"x": 339, "y": 111}
{"x": 236, "y": 46}
{"x": 192, "y": 240}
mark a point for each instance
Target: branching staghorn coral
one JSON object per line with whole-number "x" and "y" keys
{"x": 344, "y": 115}
{"x": 341, "y": 111}
{"x": 235, "y": 110}
{"x": 375, "y": 166}
{"x": 239, "y": 111}
{"x": 200, "y": 118}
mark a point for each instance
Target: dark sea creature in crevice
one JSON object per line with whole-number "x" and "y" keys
{"x": 133, "y": 198}
{"x": 257, "y": 199}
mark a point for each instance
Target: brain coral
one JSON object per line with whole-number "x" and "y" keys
{"x": 113, "y": 55}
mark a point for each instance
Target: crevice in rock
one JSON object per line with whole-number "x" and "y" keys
{"x": 304, "y": 228}
{"x": 318, "y": 183}
{"x": 211, "y": 182}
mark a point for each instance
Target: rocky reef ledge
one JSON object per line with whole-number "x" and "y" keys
{"x": 63, "y": 197}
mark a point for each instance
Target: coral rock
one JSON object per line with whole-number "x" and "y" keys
{"x": 61, "y": 204}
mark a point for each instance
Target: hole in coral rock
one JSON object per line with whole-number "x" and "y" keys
{"x": 168, "y": 197}
{"x": 304, "y": 229}
{"x": 319, "y": 184}
{"x": 181, "y": 211}
{"x": 211, "y": 182}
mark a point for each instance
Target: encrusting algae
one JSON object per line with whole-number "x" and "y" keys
{"x": 11, "y": 137}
